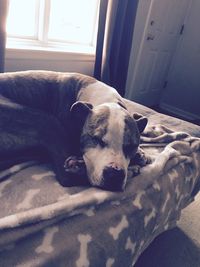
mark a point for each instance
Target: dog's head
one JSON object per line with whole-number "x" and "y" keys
{"x": 109, "y": 139}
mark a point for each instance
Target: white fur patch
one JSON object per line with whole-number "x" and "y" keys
{"x": 98, "y": 158}
{"x": 98, "y": 93}
{"x": 116, "y": 127}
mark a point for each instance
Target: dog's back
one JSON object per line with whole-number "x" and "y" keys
{"x": 46, "y": 90}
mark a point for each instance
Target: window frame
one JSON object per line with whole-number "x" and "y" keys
{"x": 40, "y": 40}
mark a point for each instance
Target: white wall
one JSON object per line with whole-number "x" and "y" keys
{"x": 182, "y": 94}
{"x": 18, "y": 60}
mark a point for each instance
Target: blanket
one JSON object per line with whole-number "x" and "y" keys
{"x": 89, "y": 226}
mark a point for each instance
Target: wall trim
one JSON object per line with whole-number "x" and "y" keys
{"x": 12, "y": 53}
{"x": 21, "y": 59}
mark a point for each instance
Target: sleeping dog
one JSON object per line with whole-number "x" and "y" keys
{"x": 64, "y": 114}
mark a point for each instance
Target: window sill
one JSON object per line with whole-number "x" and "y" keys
{"x": 68, "y": 52}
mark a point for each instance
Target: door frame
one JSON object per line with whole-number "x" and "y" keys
{"x": 141, "y": 23}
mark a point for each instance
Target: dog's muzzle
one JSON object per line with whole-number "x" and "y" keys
{"x": 113, "y": 178}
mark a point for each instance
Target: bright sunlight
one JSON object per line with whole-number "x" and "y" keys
{"x": 53, "y": 20}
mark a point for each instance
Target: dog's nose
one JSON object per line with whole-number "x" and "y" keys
{"x": 113, "y": 178}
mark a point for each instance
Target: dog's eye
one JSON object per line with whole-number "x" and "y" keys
{"x": 99, "y": 141}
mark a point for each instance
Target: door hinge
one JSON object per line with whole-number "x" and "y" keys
{"x": 182, "y": 29}
{"x": 165, "y": 84}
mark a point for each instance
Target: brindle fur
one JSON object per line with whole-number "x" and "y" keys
{"x": 35, "y": 118}
{"x": 48, "y": 113}
{"x": 96, "y": 126}
{"x": 131, "y": 137}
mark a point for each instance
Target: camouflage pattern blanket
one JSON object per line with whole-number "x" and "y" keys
{"x": 44, "y": 224}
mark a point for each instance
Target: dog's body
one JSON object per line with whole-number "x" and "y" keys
{"x": 67, "y": 114}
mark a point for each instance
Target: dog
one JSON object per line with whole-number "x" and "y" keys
{"x": 80, "y": 123}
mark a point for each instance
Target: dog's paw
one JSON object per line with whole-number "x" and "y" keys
{"x": 133, "y": 170}
{"x": 141, "y": 158}
{"x": 75, "y": 165}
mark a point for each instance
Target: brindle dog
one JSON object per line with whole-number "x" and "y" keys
{"x": 57, "y": 115}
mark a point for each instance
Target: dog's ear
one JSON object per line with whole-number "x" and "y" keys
{"x": 80, "y": 110}
{"x": 141, "y": 121}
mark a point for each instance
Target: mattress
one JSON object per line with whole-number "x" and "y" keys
{"x": 45, "y": 224}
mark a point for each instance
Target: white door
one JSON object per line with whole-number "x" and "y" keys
{"x": 182, "y": 94}
{"x": 162, "y": 31}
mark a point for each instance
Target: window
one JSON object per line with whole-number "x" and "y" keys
{"x": 53, "y": 24}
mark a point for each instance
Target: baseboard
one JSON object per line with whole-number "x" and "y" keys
{"x": 179, "y": 112}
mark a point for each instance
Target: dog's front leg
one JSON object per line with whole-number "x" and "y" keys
{"x": 75, "y": 166}
{"x": 138, "y": 161}
{"x": 57, "y": 142}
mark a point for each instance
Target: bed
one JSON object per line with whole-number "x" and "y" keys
{"x": 44, "y": 224}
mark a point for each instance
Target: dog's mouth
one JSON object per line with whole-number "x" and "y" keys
{"x": 114, "y": 178}
{"x": 110, "y": 180}
{"x": 111, "y": 176}
{"x": 112, "y": 187}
